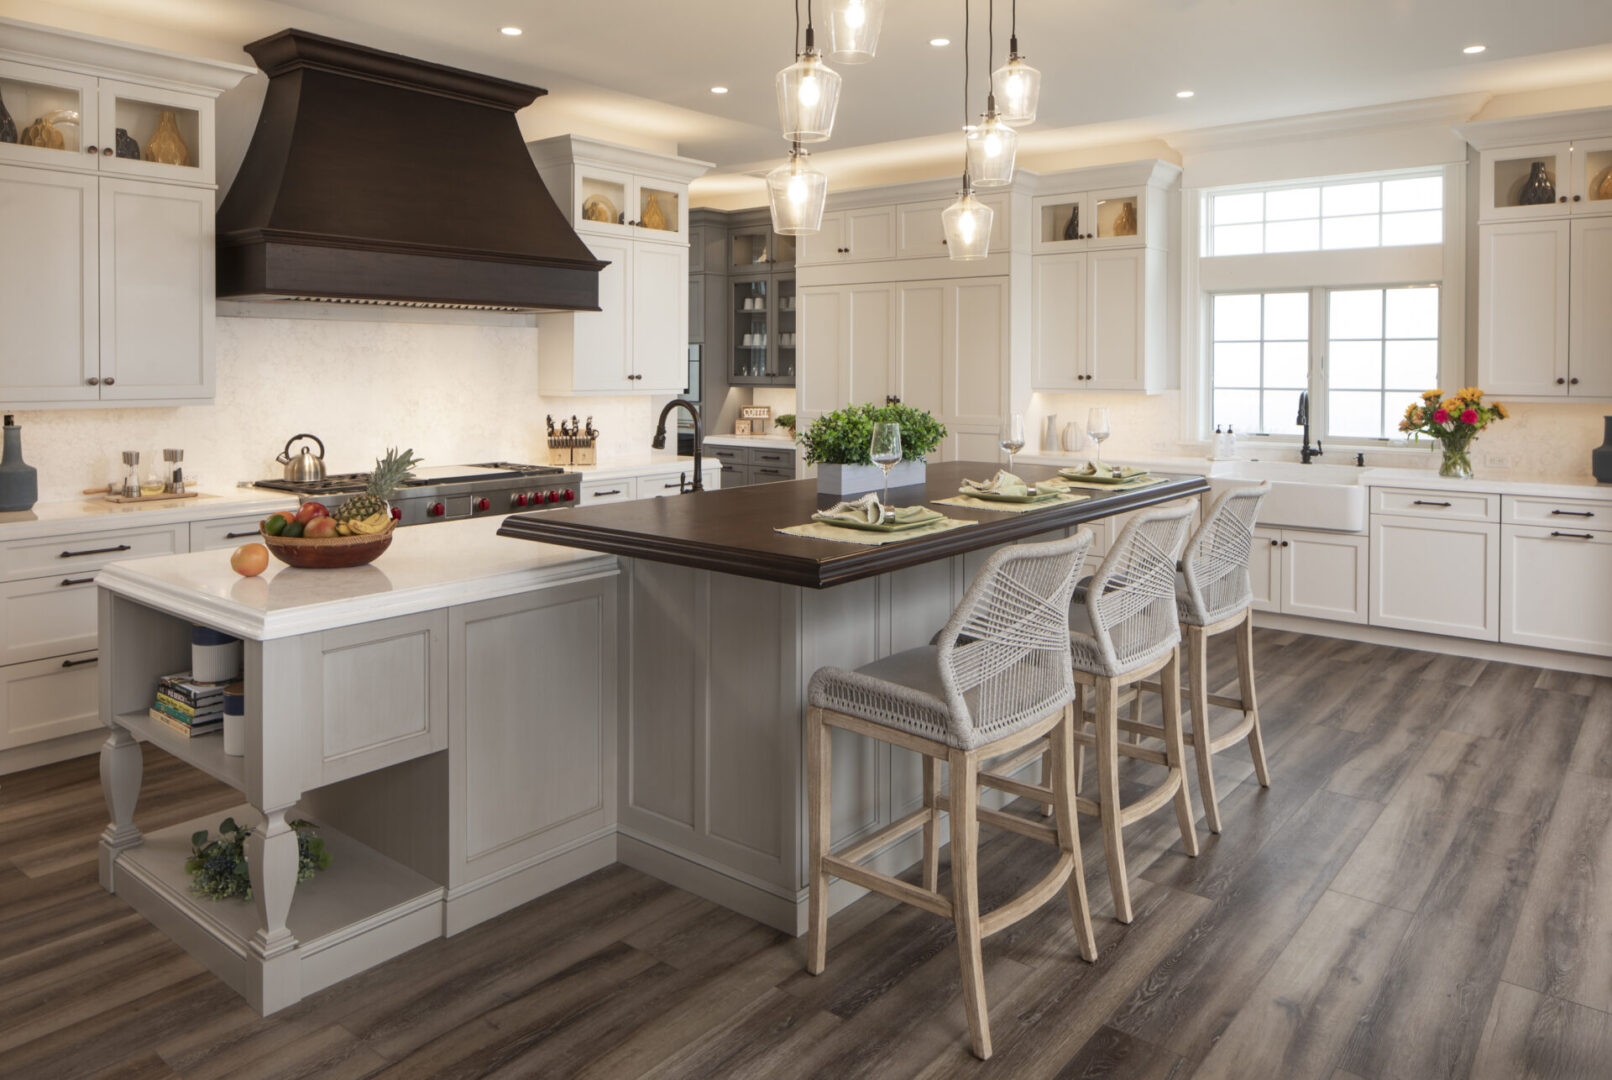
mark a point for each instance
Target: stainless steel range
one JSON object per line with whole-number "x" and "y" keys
{"x": 448, "y": 492}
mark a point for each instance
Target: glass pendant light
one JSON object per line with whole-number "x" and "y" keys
{"x": 1016, "y": 84}
{"x": 992, "y": 145}
{"x": 853, "y": 30}
{"x": 967, "y": 222}
{"x": 808, "y": 93}
{"x": 797, "y": 192}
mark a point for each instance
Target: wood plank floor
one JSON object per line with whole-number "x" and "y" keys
{"x": 1420, "y": 895}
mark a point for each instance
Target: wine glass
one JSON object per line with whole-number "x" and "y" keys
{"x": 885, "y": 450}
{"x": 1097, "y": 427}
{"x": 1011, "y": 437}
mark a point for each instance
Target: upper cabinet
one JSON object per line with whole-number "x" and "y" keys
{"x": 1543, "y": 167}
{"x": 631, "y": 208}
{"x": 861, "y": 235}
{"x": 106, "y": 204}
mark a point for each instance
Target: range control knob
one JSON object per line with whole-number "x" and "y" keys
{"x": 436, "y": 510}
{"x": 517, "y": 500}
{"x": 552, "y": 496}
{"x": 568, "y": 495}
{"x": 484, "y": 504}
{"x": 397, "y": 513}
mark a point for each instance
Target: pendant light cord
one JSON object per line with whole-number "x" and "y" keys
{"x": 1013, "y": 36}
{"x": 797, "y": 29}
{"x": 967, "y": 181}
{"x": 990, "y": 56}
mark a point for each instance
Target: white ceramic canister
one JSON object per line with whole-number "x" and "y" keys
{"x": 235, "y": 719}
{"x": 214, "y": 656}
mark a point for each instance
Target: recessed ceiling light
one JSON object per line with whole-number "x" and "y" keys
{"x": 940, "y": 42}
{"x": 1184, "y": 93}
{"x": 510, "y": 31}
{"x": 1472, "y": 50}
{"x": 719, "y": 89}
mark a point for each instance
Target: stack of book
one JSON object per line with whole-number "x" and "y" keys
{"x": 187, "y": 706}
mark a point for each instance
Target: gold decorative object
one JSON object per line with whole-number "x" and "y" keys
{"x": 167, "y": 147}
{"x": 599, "y": 208}
{"x": 654, "y": 217}
{"x": 43, "y": 133}
{"x": 1605, "y": 190}
{"x": 1125, "y": 223}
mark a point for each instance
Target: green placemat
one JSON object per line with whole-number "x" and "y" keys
{"x": 817, "y": 530}
{"x": 971, "y": 503}
{"x": 1131, "y": 485}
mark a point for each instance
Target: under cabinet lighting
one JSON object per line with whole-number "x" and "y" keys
{"x": 1473, "y": 50}
{"x": 510, "y": 31}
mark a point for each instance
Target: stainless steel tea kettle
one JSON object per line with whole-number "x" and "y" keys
{"x": 306, "y": 465}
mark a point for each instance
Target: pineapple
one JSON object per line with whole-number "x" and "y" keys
{"x": 390, "y": 471}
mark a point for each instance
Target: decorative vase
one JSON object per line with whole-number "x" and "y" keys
{"x": 1456, "y": 463}
{"x": 19, "y": 481}
{"x": 1125, "y": 223}
{"x": 8, "y": 126}
{"x": 1071, "y": 231}
{"x": 127, "y": 147}
{"x": 166, "y": 146}
{"x": 42, "y": 133}
{"x": 1601, "y": 457}
{"x": 1049, "y": 435}
{"x": 654, "y": 216}
{"x": 857, "y": 479}
{"x": 1602, "y": 192}
{"x": 1539, "y": 189}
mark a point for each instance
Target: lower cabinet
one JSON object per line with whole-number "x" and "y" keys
{"x": 744, "y": 465}
{"x": 1319, "y": 575}
{"x": 46, "y": 699}
{"x": 1557, "y": 588}
{"x": 1439, "y": 576}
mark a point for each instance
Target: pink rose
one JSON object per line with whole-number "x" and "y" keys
{"x": 1469, "y": 417}
{"x": 1440, "y": 416}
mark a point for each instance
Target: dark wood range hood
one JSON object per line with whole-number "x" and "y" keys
{"x": 376, "y": 178}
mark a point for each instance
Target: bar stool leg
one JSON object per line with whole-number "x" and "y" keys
{"x": 1080, "y": 722}
{"x": 1108, "y": 796}
{"x": 1198, "y": 687}
{"x": 932, "y": 767}
{"x": 819, "y": 788}
{"x": 965, "y": 896}
{"x": 1245, "y": 680}
{"x": 1175, "y": 750}
{"x": 1062, "y": 760}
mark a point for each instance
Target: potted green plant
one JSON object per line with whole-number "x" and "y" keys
{"x": 837, "y": 443}
{"x": 785, "y": 423}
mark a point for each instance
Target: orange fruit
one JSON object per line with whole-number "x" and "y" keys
{"x": 249, "y": 560}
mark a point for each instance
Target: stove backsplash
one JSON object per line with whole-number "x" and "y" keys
{"x": 455, "y": 393}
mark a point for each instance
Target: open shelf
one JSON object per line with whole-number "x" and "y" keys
{"x": 204, "y": 752}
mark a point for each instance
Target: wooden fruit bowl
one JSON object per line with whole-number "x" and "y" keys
{"x": 329, "y": 552}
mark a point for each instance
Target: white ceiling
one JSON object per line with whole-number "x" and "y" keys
{"x": 641, "y": 70}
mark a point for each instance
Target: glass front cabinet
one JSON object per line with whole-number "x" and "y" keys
{"x": 763, "y": 336}
{"x": 1544, "y": 180}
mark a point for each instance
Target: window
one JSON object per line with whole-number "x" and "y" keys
{"x": 1381, "y": 352}
{"x": 1389, "y": 212}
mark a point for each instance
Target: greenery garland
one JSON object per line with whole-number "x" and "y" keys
{"x": 218, "y": 867}
{"x": 842, "y": 437}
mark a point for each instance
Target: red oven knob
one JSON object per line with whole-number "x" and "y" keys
{"x": 436, "y": 510}
{"x": 568, "y": 495}
{"x": 553, "y": 496}
{"x": 484, "y": 504}
{"x": 397, "y": 513}
{"x": 518, "y": 500}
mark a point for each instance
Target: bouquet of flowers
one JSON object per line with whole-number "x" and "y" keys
{"x": 1454, "y": 422}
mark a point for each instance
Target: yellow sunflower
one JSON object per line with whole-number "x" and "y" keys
{"x": 1471, "y": 393}
{"x": 1500, "y": 411}
{"x": 1453, "y": 406}
{"x": 1432, "y": 395}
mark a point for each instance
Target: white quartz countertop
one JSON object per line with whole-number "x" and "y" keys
{"x": 619, "y": 468}
{"x": 771, "y": 442}
{"x": 427, "y": 567}
{"x": 92, "y": 513}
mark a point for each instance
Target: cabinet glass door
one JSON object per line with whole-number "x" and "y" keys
{"x": 750, "y": 249}
{"x": 660, "y": 211}
{"x": 750, "y": 304}
{"x": 1116, "y": 216}
{"x": 603, "y": 200}
{"x": 146, "y": 132}
{"x": 47, "y": 117}
{"x": 1592, "y": 176}
{"x": 783, "y": 370}
{"x": 1525, "y": 182}
{"x": 1060, "y": 222}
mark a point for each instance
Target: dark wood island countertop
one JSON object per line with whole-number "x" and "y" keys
{"x": 733, "y": 531}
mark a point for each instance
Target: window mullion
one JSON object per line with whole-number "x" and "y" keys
{"x": 1319, "y": 359}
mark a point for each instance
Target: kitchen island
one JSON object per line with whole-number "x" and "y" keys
{"x": 446, "y": 715}
{"x": 724, "y": 619}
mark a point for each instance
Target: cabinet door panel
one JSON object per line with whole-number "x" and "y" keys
{"x": 1324, "y": 576}
{"x": 660, "y": 318}
{"x": 46, "y": 617}
{"x": 871, "y": 233}
{"x": 1590, "y": 361}
{"x": 823, "y": 246}
{"x": 1264, "y": 569}
{"x": 604, "y": 336}
{"x": 1439, "y": 577}
{"x": 696, "y": 309}
{"x": 1544, "y": 570}
{"x": 156, "y": 291}
{"x": 921, "y": 333}
{"x": 824, "y": 348}
{"x": 1116, "y": 289}
{"x": 1057, "y": 333}
{"x": 872, "y": 345}
{"x": 1523, "y": 273}
{"x": 47, "y": 699}
{"x": 976, "y": 358}
{"x": 48, "y": 280}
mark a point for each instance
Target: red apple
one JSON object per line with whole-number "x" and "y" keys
{"x": 310, "y": 510}
{"x": 320, "y": 527}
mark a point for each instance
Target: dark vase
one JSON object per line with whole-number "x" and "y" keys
{"x": 19, "y": 481}
{"x": 1071, "y": 231}
{"x": 1601, "y": 457}
{"x": 1539, "y": 189}
{"x": 127, "y": 147}
{"x": 8, "y": 126}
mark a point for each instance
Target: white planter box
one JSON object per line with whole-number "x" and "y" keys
{"x": 856, "y": 479}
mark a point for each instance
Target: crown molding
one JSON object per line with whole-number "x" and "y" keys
{"x": 46, "y": 46}
{"x": 1445, "y": 111}
{"x": 1544, "y": 127}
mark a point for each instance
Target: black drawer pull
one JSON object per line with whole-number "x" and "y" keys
{"x": 612, "y": 491}
{"x": 94, "y": 551}
{"x": 76, "y": 581}
{"x": 770, "y": 472}
{"x": 1573, "y": 513}
{"x": 76, "y": 663}
{"x": 237, "y": 536}
{"x": 1426, "y": 502}
{"x": 1575, "y": 536}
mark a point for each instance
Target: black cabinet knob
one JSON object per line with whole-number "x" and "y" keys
{"x": 1578, "y": 198}
{"x": 108, "y": 381}
{"x": 1561, "y": 382}
{"x": 1563, "y": 198}
{"x": 1574, "y": 380}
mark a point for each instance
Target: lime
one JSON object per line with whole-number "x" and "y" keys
{"x": 292, "y": 529}
{"x": 275, "y": 525}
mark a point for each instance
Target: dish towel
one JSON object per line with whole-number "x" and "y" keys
{"x": 868, "y": 511}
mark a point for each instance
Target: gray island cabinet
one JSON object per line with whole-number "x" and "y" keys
{"x": 446, "y": 716}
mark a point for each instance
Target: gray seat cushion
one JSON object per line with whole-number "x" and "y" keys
{"x": 902, "y": 691}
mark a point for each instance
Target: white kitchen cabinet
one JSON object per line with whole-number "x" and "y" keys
{"x": 1058, "y": 300}
{"x": 1098, "y": 320}
{"x": 1556, "y": 583}
{"x": 1576, "y": 168}
{"x": 46, "y": 616}
{"x": 47, "y": 699}
{"x": 1134, "y": 211}
{"x": 847, "y": 346}
{"x": 1590, "y": 309}
{"x": 1265, "y": 569}
{"x": 1439, "y": 576}
{"x": 619, "y": 489}
{"x": 1524, "y": 269}
{"x": 1319, "y": 575}
{"x": 866, "y": 234}
{"x": 660, "y": 318}
{"x": 920, "y": 233}
{"x": 227, "y": 532}
{"x": 49, "y": 275}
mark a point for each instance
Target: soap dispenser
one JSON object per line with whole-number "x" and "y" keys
{"x": 19, "y": 482}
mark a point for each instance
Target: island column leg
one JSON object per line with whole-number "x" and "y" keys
{"x": 271, "y": 858}
{"x": 120, "y": 782}
{"x": 273, "y": 786}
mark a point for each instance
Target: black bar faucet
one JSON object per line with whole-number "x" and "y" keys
{"x": 659, "y": 441}
{"x": 1306, "y": 452}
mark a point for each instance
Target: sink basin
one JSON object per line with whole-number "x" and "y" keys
{"x": 1303, "y": 496}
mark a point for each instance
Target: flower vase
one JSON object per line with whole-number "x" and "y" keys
{"x": 1601, "y": 457}
{"x": 1457, "y": 463}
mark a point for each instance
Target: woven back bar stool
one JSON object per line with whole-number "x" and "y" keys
{"x": 997, "y": 678}
{"x": 1123, "y": 628}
